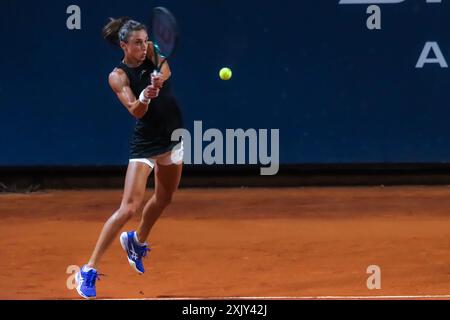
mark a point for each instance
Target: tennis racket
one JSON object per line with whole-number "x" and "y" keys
{"x": 164, "y": 35}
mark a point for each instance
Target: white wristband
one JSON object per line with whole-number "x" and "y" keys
{"x": 143, "y": 99}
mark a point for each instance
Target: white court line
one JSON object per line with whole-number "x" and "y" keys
{"x": 299, "y": 298}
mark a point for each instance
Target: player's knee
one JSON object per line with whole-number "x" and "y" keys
{"x": 163, "y": 200}
{"x": 127, "y": 212}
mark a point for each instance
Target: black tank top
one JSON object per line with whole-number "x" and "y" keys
{"x": 163, "y": 116}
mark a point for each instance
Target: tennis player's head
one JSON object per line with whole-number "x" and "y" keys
{"x": 130, "y": 35}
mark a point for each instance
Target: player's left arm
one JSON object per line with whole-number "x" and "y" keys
{"x": 165, "y": 69}
{"x": 165, "y": 72}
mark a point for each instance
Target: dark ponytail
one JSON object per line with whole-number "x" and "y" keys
{"x": 110, "y": 32}
{"x": 120, "y": 29}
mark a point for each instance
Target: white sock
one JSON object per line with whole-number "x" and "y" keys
{"x": 87, "y": 269}
{"x": 137, "y": 240}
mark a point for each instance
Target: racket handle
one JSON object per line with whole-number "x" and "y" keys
{"x": 154, "y": 74}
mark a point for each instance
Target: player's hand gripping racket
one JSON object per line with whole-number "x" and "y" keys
{"x": 164, "y": 35}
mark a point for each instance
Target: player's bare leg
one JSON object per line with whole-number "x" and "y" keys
{"x": 135, "y": 185}
{"x": 167, "y": 180}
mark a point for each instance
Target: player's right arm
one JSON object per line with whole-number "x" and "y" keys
{"x": 120, "y": 84}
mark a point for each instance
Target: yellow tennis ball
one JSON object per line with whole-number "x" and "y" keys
{"x": 225, "y": 74}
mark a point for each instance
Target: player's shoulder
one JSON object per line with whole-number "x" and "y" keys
{"x": 150, "y": 50}
{"x": 118, "y": 76}
{"x": 117, "y": 72}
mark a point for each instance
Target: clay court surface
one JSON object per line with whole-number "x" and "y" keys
{"x": 295, "y": 242}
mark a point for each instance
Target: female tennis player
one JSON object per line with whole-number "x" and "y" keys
{"x": 149, "y": 99}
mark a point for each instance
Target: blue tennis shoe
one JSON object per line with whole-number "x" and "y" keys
{"x": 135, "y": 252}
{"x": 86, "y": 279}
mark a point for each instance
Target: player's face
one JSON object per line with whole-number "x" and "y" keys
{"x": 136, "y": 47}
